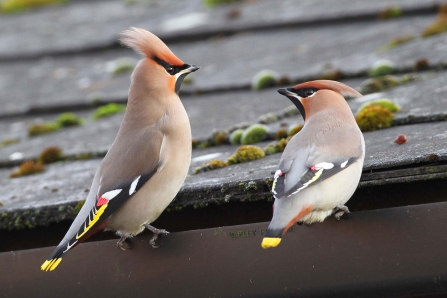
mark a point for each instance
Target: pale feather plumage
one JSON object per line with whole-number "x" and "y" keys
{"x": 149, "y": 159}
{"x": 321, "y": 165}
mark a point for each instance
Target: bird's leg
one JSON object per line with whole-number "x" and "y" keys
{"x": 123, "y": 244}
{"x": 156, "y": 233}
{"x": 339, "y": 210}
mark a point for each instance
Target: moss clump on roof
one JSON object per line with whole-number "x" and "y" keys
{"x": 69, "y": 119}
{"x": 210, "y": 165}
{"x": 254, "y": 134}
{"x": 245, "y": 154}
{"x": 268, "y": 118}
{"x": 398, "y": 41}
{"x": 211, "y": 3}
{"x": 7, "y": 142}
{"x": 374, "y": 118}
{"x": 28, "y": 168}
{"x": 381, "y": 68}
{"x": 421, "y": 64}
{"x": 50, "y": 155}
{"x": 220, "y": 138}
{"x": 42, "y": 128}
{"x": 121, "y": 65}
{"x": 264, "y": 79}
{"x": 281, "y": 134}
{"x": 437, "y": 27}
{"x": 384, "y": 103}
{"x": 334, "y": 75}
{"x": 294, "y": 129}
{"x": 378, "y": 84}
{"x": 390, "y": 12}
{"x": 235, "y": 137}
{"x": 194, "y": 143}
{"x": 277, "y": 147}
{"x": 10, "y": 6}
{"x": 108, "y": 110}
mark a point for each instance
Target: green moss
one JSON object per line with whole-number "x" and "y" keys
{"x": 78, "y": 207}
{"x": 194, "y": 143}
{"x": 290, "y": 111}
{"x": 271, "y": 149}
{"x": 374, "y": 118}
{"x": 245, "y": 154}
{"x": 211, "y": 3}
{"x": 268, "y": 118}
{"x": 390, "y": 12}
{"x": 384, "y": 103}
{"x": 397, "y": 41}
{"x": 281, "y": 134}
{"x": 121, "y": 65}
{"x": 68, "y": 119}
{"x": 381, "y": 68}
{"x": 108, "y": 110}
{"x": 84, "y": 156}
{"x": 235, "y": 137}
{"x": 28, "y": 168}
{"x": 210, "y": 165}
{"x": 438, "y": 27}
{"x": 42, "y": 128}
{"x": 254, "y": 134}
{"x": 281, "y": 144}
{"x": 220, "y": 138}
{"x": 294, "y": 129}
{"x": 50, "y": 155}
{"x": 334, "y": 75}
{"x": 264, "y": 79}
{"x": 406, "y": 78}
{"x": 7, "y": 142}
{"x": 10, "y": 6}
{"x": 378, "y": 84}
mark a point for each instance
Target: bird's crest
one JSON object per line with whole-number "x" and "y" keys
{"x": 341, "y": 88}
{"x": 149, "y": 45}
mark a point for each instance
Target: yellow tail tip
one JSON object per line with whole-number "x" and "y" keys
{"x": 50, "y": 265}
{"x": 268, "y": 242}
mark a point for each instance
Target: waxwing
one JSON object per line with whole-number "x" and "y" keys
{"x": 150, "y": 157}
{"x": 321, "y": 166}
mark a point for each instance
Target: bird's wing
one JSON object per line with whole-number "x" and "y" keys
{"x": 121, "y": 174}
{"x": 304, "y": 166}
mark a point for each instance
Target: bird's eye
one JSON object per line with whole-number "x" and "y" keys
{"x": 306, "y": 92}
{"x": 170, "y": 70}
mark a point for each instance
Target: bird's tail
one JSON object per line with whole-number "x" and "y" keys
{"x": 280, "y": 224}
{"x": 54, "y": 260}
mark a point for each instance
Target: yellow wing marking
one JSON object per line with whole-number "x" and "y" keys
{"x": 315, "y": 178}
{"x": 50, "y": 265}
{"x": 96, "y": 217}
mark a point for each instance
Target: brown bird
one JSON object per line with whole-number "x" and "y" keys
{"x": 321, "y": 166}
{"x": 150, "y": 157}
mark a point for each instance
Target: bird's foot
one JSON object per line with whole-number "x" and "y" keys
{"x": 339, "y": 211}
{"x": 156, "y": 233}
{"x": 124, "y": 244}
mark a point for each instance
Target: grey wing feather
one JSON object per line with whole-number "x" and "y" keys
{"x": 131, "y": 155}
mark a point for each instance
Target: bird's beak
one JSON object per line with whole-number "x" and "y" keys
{"x": 191, "y": 68}
{"x": 294, "y": 98}
{"x": 286, "y": 92}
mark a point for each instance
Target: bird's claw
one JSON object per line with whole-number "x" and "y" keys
{"x": 156, "y": 233}
{"x": 339, "y": 211}
{"x": 123, "y": 244}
